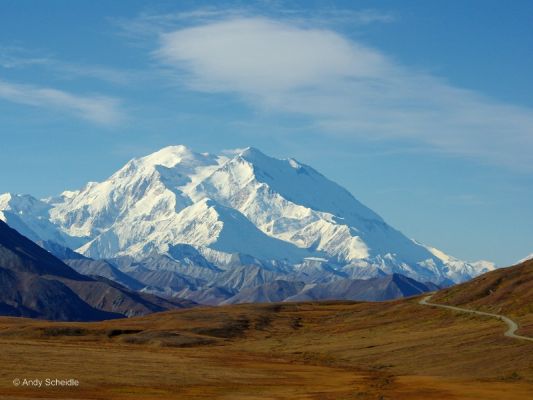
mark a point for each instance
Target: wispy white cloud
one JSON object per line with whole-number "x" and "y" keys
{"x": 256, "y": 56}
{"x": 149, "y": 23}
{"x": 98, "y": 72}
{"x": 17, "y": 58}
{"x": 345, "y": 87}
{"x": 98, "y": 109}
{"x": 369, "y": 16}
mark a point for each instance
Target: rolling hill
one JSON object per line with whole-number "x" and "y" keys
{"x": 507, "y": 291}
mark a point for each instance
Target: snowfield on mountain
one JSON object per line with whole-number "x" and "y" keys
{"x": 239, "y": 208}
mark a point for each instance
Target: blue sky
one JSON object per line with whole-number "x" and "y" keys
{"x": 423, "y": 110}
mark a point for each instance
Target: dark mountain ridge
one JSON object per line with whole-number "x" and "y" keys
{"x": 34, "y": 283}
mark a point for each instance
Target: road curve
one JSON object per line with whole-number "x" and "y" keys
{"x": 512, "y": 326}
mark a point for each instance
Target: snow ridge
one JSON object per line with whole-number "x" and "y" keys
{"x": 277, "y": 213}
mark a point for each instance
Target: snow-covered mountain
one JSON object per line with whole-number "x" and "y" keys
{"x": 280, "y": 215}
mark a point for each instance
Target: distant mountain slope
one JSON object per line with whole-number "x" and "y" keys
{"x": 31, "y": 218}
{"x": 34, "y": 283}
{"x": 30, "y": 295}
{"x": 504, "y": 291}
{"x": 21, "y": 255}
{"x": 241, "y": 204}
{"x": 88, "y": 266}
{"x": 60, "y": 251}
{"x": 376, "y": 289}
{"x": 271, "y": 292}
{"x": 104, "y": 269}
{"x": 211, "y": 296}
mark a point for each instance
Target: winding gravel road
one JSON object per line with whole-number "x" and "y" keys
{"x": 512, "y": 326}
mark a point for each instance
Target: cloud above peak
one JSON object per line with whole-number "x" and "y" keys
{"x": 344, "y": 87}
{"x": 255, "y": 55}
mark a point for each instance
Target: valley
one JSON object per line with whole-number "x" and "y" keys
{"x": 329, "y": 350}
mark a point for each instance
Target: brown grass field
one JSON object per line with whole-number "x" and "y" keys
{"x": 506, "y": 291}
{"x": 336, "y": 350}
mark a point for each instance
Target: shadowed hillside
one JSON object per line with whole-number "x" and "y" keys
{"x": 36, "y": 284}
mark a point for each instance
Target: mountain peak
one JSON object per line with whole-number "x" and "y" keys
{"x": 170, "y": 156}
{"x": 242, "y": 201}
{"x": 251, "y": 154}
